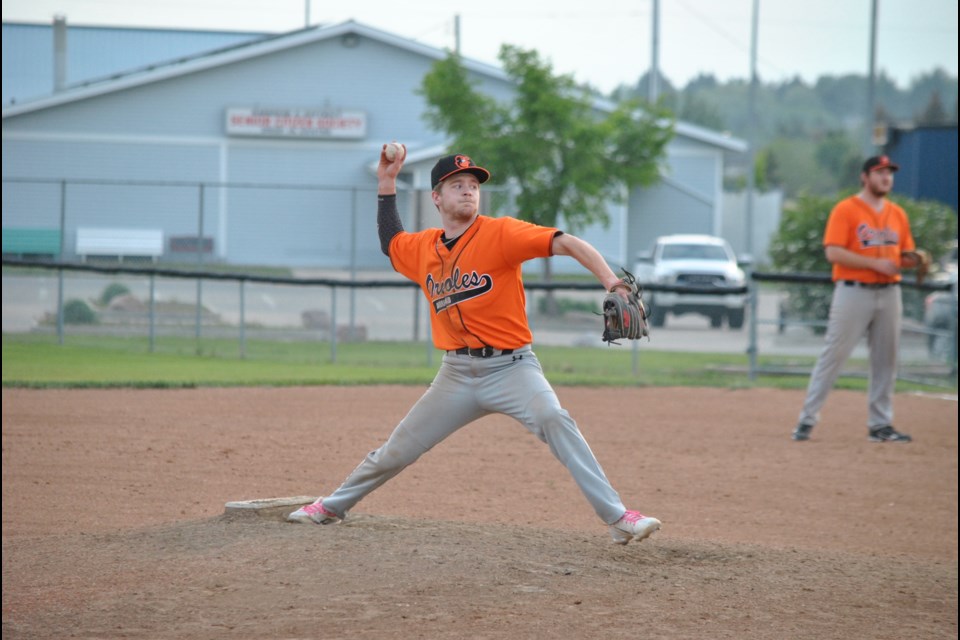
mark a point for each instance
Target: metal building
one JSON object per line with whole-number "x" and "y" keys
{"x": 263, "y": 152}
{"x": 928, "y": 162}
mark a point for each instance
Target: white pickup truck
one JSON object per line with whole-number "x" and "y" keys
{"x": 695, "y": 261}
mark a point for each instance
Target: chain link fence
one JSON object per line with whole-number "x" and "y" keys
{"x": 152, "y": 302}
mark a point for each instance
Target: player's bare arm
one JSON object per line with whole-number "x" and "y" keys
{"x": 839, "y": 255}
{"x": 583, "y": 252}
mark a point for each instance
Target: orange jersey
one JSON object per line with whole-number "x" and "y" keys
{"x": 856, "y": 226}
{"x": 475, "y": 289}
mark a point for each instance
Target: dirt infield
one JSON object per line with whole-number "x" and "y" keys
{"x": 114, "y": 523}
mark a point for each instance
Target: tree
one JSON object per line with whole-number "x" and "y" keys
{"x": 766, "y": 170}
{"x": 839, "y": 155}
{"x": 641, "y": 90}
{"x": 568, "y": 158}
{"x": 934, "y": 113}
{"x": 697, "y": 110}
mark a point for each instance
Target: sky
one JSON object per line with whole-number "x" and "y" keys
{"x": 604, "y": 43}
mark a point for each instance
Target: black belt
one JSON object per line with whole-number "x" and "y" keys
{"x": 484, "y": 352}
{"x": 869, "y": 285}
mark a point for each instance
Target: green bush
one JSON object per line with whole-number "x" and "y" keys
{"x": 78, "y": 312}
{"x": 112, "y": 291}
{"x": 934, "y": 227}
{"x": 797, "y": 247}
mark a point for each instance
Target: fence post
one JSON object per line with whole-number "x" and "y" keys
{"x": 153, "y": 311}
{"x": 752, "y": 295}
{"x": 353, "y": 258}
{"x": 953, "y": 330}
{"x": 333, "y": 323}
{"x": 60, "y": 307}
{"x": 243, "y": 322}
{"x": 63, "y": 235}
{"x": 199, "y": 317}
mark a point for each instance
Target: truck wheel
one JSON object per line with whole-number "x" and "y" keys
{"x": 716, "y": 320}
{"x": 735, "y": 318}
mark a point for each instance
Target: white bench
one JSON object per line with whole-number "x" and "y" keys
{"x": 141, "y": 243}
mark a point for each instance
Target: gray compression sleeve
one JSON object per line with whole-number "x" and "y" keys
{"x": 388, "y": 221}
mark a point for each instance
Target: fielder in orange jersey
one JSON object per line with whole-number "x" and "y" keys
{"x": 470, "y": 272}
{"x": 868, "y": 241}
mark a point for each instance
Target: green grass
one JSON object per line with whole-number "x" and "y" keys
{"x": 33, "y": 360}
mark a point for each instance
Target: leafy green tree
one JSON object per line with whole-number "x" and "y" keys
{"x": 840, "y": 156}
{"x": 844, "y": 94}
{"x": 697, "y": 110}
{"x": 772, "y": 177}
{"x": 568, "y": 158}
{"x": 799, "y": 170}
{"x": 641, "y": 90}
{"x": 934, "y": 113}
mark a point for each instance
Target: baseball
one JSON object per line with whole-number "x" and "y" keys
{"x": 391, "y": 151}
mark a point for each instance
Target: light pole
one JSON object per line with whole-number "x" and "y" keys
{"x": 752, "y": 138}
{"x": 871, "y": 82}
{"x": 652, "y": 89}
{"x": 751, "y": 180}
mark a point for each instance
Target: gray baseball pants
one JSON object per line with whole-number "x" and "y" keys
{"x": 856, "y": 311}
{"x": 464, "y": 390}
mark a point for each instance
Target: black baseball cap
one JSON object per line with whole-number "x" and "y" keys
{"x": 879, "y": 162}
{"x": 458, "y": 163}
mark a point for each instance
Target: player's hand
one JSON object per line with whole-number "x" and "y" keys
{"x": 388, "y": 170}
{"x": 390, "y": 167}
{"x": 886, "y": 267}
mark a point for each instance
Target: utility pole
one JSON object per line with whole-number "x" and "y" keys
{"x": 456, "y": 34}
{"x": 652, "y": 89}
{"x": 752, "y": 137}
{"x": 871, "y": 82}
{"x": 751, "y": 180}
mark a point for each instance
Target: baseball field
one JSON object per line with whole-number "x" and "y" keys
{"x": 114, "y": 523}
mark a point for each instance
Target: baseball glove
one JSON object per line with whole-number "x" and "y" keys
{"x": 922, "y": 262}
{"x": 624, "y": 318}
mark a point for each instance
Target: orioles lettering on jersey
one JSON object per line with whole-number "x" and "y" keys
{"x": 456, "y": 288}
{"x": 870, "y": 237}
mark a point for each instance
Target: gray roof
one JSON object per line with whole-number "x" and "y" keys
{"x": 96, "y": 53}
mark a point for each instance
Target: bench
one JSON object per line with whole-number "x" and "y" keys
{"x": 24, "y": 241}
{"x": 122, "y": 243}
